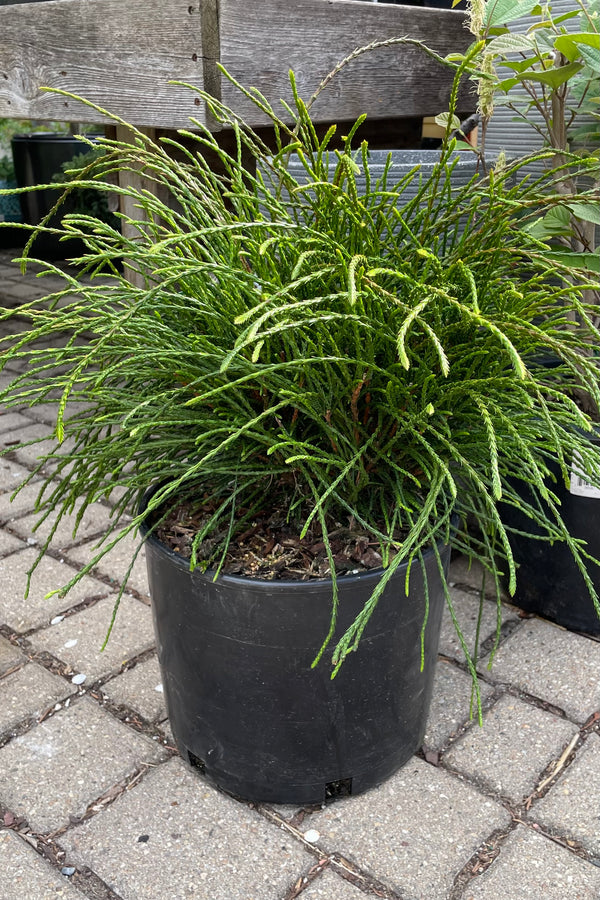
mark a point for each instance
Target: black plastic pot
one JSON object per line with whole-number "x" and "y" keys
{"x": 246, "y": 707}
{"x": 549, "y": 582}
{"x": 37, "y": 158}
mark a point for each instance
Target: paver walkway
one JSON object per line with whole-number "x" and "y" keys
{"x": 96, "y": 803}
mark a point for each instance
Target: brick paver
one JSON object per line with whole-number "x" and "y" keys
{"x": 512, "y": 749}
{"x": 174, "y": 836}
{"x": 141, "y": 689}
{"x": 26, "y": 876}
{"x": 466, "y": 608}
{"x": 50, "y": 575}
{"x": 95, "y": 521}
{"x": 532, "y": 867}
{"x": 330, "y": 886}
{"x": 10, "y": 656}
{"x": 552, "y": 664}
{"x": 9, "y": 543}
{"x": 78, "y": 639}
{"x": 115, "y": 564}
{"x": 59, "y": 767}
{"x": 572, "y": 807}
{"x": 28, "y": 692}
{"x": 414, "y": 832}
{"x": 452, "y": 705}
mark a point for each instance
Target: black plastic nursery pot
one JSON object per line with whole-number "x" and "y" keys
{"x": 37, "y": 158}
{"x": 244, "y": 703}
{"x": 549, "y": 582}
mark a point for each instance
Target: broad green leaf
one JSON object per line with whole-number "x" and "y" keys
{"x": 569, "y": 15}
{"x": 567, "y": 47}
{"x": 537, "y": 26}
{"x": 589, "y": 261}
{"x": 512, "y": 43}
{"x": 445, "y": 121}
{"x": 591, "y": 57}
{"x": 585, "y": 131}
{"x": 503, "y": 11}
{"x": 556, "y": 223}
{"x": 553, "y": 77}
{"x": 508, "y": 83}
{"x": 518, "y": 65}
{"x": 587, "y": 212}
{"x": 591, "y": 40}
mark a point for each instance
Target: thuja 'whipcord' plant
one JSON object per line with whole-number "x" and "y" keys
{"x": 373, "y": 359}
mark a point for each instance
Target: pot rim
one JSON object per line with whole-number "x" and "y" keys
{"x": 281, "y": 584}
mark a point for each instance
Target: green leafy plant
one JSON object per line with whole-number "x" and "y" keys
{"x": 548, "y": 75}
{"x": 7, "y": 169}
{"x": 254, "y": 337}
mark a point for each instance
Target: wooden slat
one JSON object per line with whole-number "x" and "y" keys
{"x": 262, "y": 39}
{"x": 118, "y": 53}
{"x": 121, "y": 54}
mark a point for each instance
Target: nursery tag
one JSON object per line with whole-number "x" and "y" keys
{"x": 579, "y": 486}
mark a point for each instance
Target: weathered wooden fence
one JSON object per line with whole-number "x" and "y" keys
{"x": 121, "y": 54}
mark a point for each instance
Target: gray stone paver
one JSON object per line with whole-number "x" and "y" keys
{"x": 11, "y": 507}
{"x": 26, "y": 876}
{"x": 47, "y": 412}
{"x": 512, "y": 749}
{"x": 78, "y": 639}
{"x": 414, "y": 832}
{"x": 330, "y": 886}
{"x": 552, "y": 664}
{"x": 141, "y": 689}
{"x": 10, "y": 421}
{"x": 25, "y": 289}
{"x": 27, "y": 693}
{"x": 200, "y": 843}
{"x": 9, "y": 543}
{"x": 572, "y": 806}
{"x": 532, "y": 867}
{"x": 95, "y": 520}
{"x": 29, "y": 455}
{"x": 10, "y": 655}
{"x": 11, "y": 474}
{"x": 116, "y": 562}
{"x": 6, "y": 379}
{"x": 59, "y": 767}
{"x": 451, "y": 703}
{"x": 38, "y": 609}
{"x": 470, "y": 575}
{"x": 466, "y": 608}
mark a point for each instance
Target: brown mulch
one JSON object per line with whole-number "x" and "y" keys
{"x": 270, "y": 547}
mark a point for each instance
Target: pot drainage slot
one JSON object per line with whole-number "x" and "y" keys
{"x": 196, "y": 763}
{"x": 336, "y": 789}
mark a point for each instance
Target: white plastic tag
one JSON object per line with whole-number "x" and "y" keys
{"x": 579, "y": 486}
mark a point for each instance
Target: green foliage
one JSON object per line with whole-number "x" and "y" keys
{"x": 371, "y": 359}
{"x": 549, "y": 76}
{"x": 7, "y": 169}
{"x": 86, "y": 200}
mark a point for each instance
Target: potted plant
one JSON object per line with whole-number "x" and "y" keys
{"x": 303, "y": 395}
{"x": 543, "y": 67}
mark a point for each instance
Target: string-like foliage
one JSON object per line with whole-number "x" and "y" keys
{"x": 374, "y": 359}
